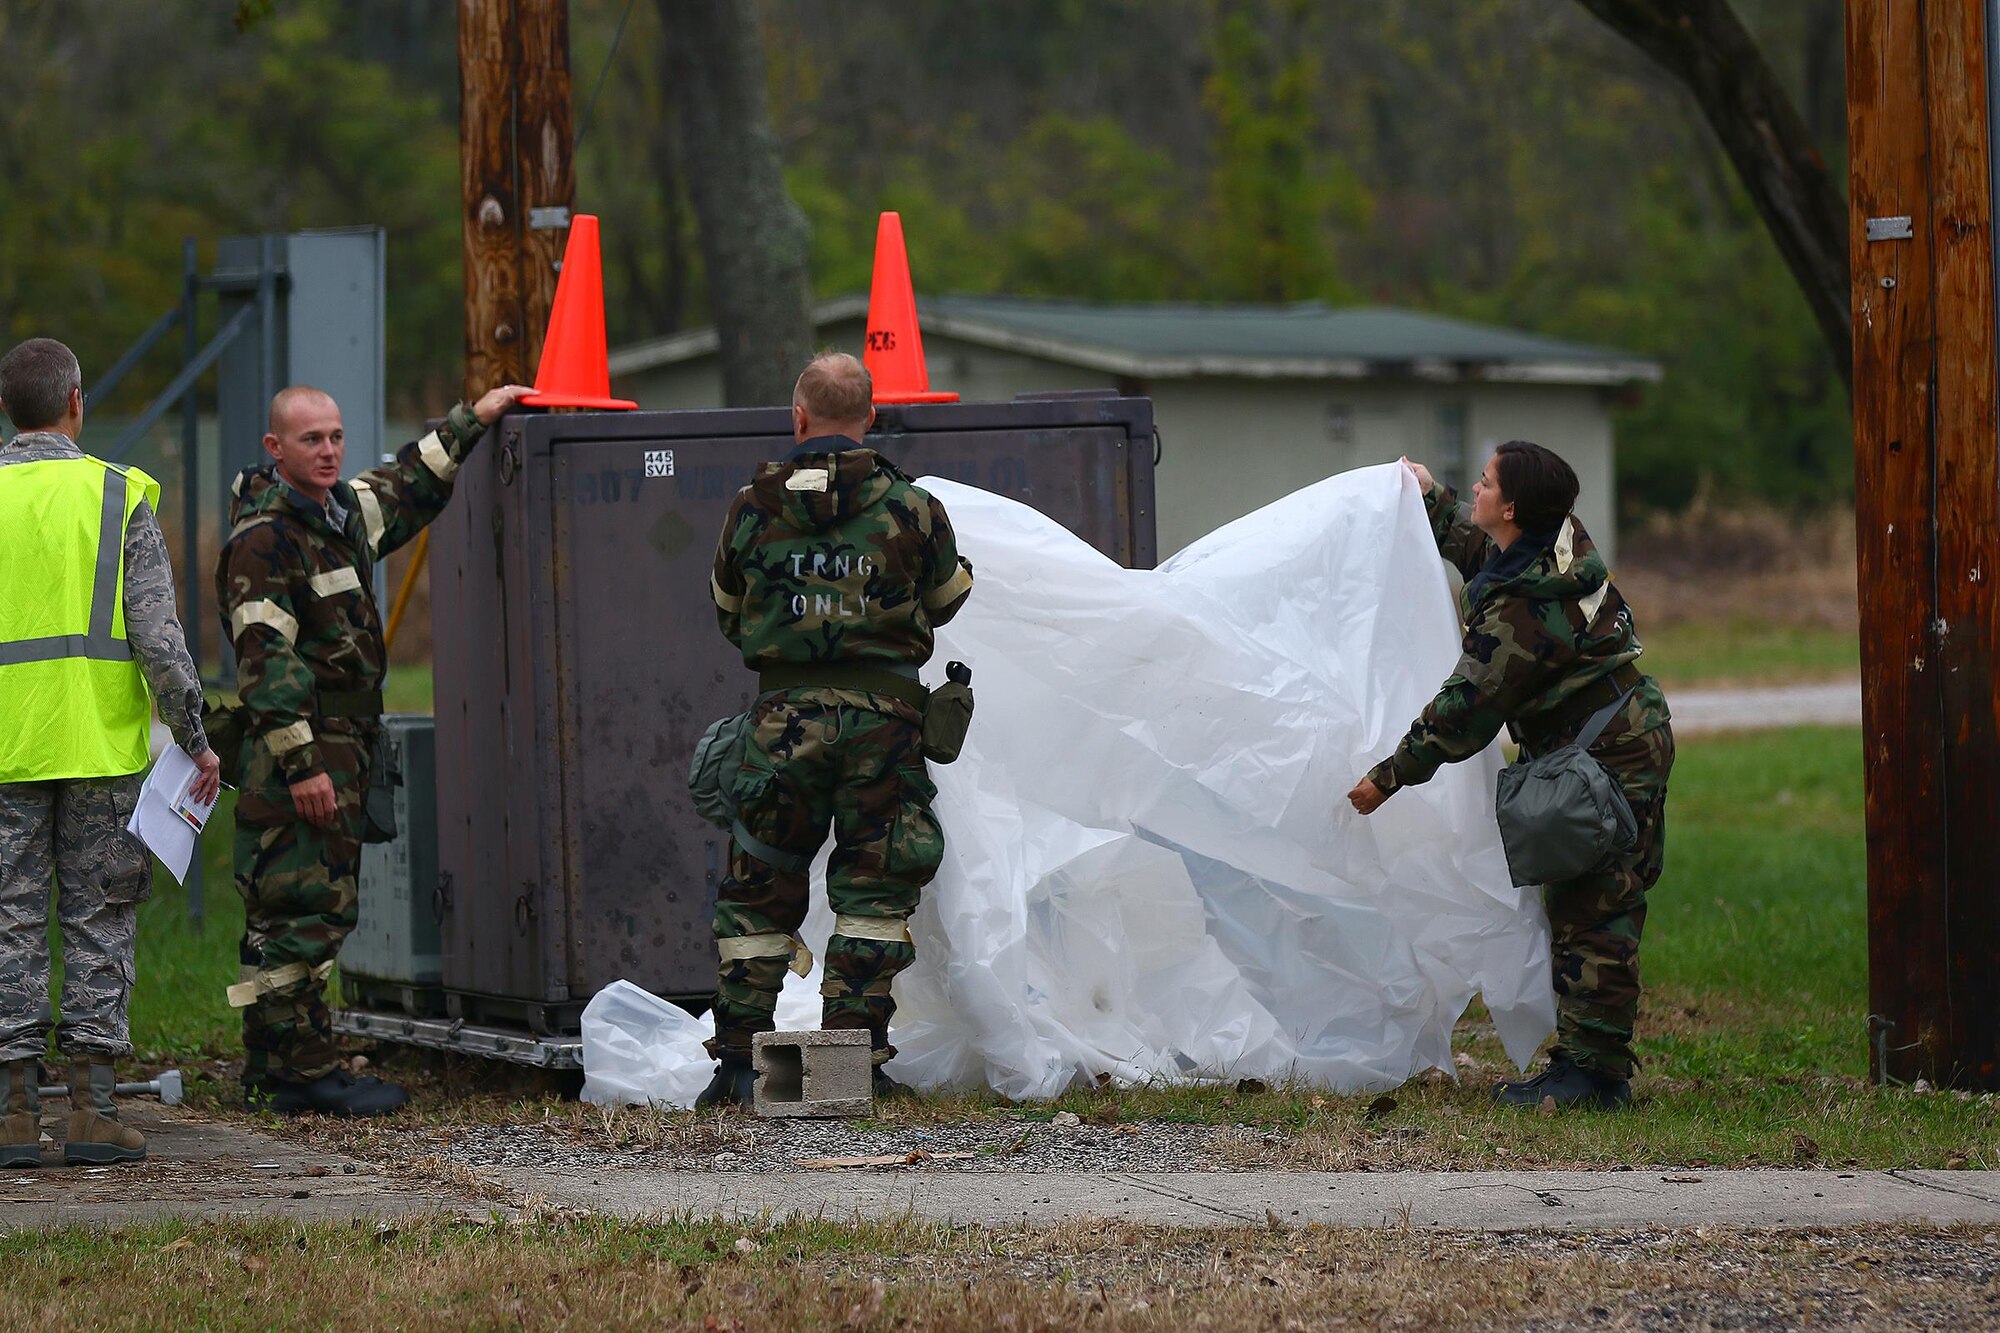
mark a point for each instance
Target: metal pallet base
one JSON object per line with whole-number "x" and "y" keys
{"x": 449, "y": 1034}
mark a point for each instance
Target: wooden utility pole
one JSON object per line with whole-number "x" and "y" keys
{"x": 1927, "y": 512}
{"x": 518, "y": 179}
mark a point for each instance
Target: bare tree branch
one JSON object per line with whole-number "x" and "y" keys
{"x": 1704, "y": 45}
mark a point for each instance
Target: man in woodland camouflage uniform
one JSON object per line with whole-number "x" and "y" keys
{"x": 296, "y": 591}
{"x": 1549, "y": 641}
{"x": 832, "y": 572}
{"x": 87, "y": 624}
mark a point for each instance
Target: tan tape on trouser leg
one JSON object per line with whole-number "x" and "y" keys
{"x": 259, "y": 982}
{"x": 771, "y": 944}
{"x": 885, "y": 929}
{"x": 888, "y": 929}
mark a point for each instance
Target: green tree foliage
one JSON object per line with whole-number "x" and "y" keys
{"x": 1504, "y": 160}
{"x": 1276, "y": 192}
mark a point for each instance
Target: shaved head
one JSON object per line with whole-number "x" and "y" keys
{"x": 307, "y": 440}
{"x": 836, "y": 394}
{"x": 296, "y": 396}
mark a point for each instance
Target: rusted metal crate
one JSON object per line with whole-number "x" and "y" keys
{"x": 577, "y": 661}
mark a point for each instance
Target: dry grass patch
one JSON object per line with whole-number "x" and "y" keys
{"x": 554, "y": 1273}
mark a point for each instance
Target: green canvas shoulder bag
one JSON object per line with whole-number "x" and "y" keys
{"x": 1563, "y": 814}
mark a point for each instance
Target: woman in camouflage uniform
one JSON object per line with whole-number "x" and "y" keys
{"x": 1549, "y": 642}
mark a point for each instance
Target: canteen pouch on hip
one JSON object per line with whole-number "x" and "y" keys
{"x": 224, "y": 728}
{"x": 385, "y": 774}
{"x": 1563, "y": 814}
{"x": 948, "y": 715}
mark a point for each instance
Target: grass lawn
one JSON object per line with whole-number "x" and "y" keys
{"x": 1708, "y": 654}
{"x": 1753, "y": 1032}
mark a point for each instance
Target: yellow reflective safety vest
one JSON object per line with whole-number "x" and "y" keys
{"x": 73, "y": 701}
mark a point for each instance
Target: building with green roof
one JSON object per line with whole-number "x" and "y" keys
{"x": 1252, "y": 401}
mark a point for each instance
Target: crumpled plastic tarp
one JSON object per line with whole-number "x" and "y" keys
{"x": 1152, "y": 871}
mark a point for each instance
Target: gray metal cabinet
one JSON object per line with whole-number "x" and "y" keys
{"x": 391, "y": 959}
{"x": 578, "y": 659}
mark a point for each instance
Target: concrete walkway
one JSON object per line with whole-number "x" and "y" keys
{"x": 1470, "y": 1201}
{"x": 208, "y": 1169}
{"x": 214, "y": 1169}
{"x": 1833, "y": 704}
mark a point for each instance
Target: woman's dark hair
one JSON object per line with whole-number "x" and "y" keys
{"x": 1541, "y": 487}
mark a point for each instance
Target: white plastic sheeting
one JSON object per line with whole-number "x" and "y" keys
{"x": 1152, "y": 869}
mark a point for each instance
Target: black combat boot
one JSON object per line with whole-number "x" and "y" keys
{"x": 337, "y": 1093}
{"x": 734, "y": 1084}
{"x": 888, "y": 1089}
{"x": 1568, "y": 1085}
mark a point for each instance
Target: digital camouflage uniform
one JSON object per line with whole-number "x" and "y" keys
{"x": 73, "y": 831}
{"x": 295, "y": 588}
{"x": 831, "y": 560}
{"x": 1545, "y": 648}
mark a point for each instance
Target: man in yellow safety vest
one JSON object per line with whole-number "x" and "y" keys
{"x": 88, "y": 630}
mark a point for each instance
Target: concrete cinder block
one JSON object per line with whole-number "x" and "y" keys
{"x": 813, "y": 1073}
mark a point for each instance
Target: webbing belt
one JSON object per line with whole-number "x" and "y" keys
{"x": 97, "y": 645}
{"x": 776, "y": 857}
{"x": 896, "y": 680}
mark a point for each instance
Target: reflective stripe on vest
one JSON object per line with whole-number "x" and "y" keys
{"x": 97, "y": 645}
{"x": 78, "y": 705}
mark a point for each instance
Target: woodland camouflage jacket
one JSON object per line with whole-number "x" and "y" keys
{"x": 1544, "y": 649}
{"x": 836, "y": 556}
{"x": 296, "y": 592}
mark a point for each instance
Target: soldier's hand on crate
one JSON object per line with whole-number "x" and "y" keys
{"x": 493, "y": 404}
{"x": 313, "y": 798}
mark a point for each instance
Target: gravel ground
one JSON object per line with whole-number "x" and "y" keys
{"x": 744, "y": 1144}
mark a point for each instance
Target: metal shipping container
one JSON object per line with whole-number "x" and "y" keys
{"x": 578, "y": 660}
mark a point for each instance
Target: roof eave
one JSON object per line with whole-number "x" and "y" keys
{"x": 1112, "y": 361}
{"x": 1603, "y": 373}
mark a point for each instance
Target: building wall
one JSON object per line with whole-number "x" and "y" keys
{"x": 1229, "y": 446}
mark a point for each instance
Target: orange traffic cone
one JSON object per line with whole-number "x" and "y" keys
{"x": 895, "y": 352}
{"x": 575, "y": 370}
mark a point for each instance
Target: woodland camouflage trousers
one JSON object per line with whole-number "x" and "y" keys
{"x": 817, "y": 757}
{"x": 1595, "y": 920}
{"x": 300, "y": 900}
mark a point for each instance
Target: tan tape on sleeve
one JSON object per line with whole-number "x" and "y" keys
{"x": 265, "y": 612}
{"x": 344, "y": 579}
{"x": 888, "y": 929}
{"x": 723, "y": 599}
{"x": 371, "y": 513}
{"x": 949, "y": 591}
{"x": 283, "y": 740}
{"x": 436, "y": 457}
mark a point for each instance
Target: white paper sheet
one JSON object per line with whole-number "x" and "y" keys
{"x": 168, "y": 819}
{"x": 1152, "y": 872}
